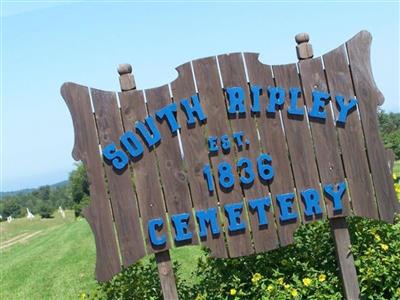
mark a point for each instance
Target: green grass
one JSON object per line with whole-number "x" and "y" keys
{"x": 396, "y": 168}
{"x": 59, "y": 262}
{"x": 55, "y": 264}
{"x": 23, "y": 225}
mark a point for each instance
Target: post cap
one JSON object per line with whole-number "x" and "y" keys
{"x": 124, "y": 69}
{"x": 126, "y": 79}
{"x": 304, "y": 49}
{"x": 302, "y": 38}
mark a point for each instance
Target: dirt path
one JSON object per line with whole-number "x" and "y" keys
{"x": 14, "y": 238}
{"x": 18, "y": 239}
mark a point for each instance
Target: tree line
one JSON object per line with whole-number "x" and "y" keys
{"x": 46, "y": 199}
{"x": 75, "y": 193}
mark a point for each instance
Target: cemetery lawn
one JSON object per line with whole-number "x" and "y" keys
{"x": 55, "y": 258}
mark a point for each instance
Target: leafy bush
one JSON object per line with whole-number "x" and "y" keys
{"x": 45, "y": 210}
{"x": 304, "y": 270}
{"x": 376, "y": 247}
{"x": 139, "y": 281}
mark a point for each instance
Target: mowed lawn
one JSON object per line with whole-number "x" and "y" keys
{"x": 58, "y": 261}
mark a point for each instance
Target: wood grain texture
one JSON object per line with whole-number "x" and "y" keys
{"x": 211, "y": 94}
{"x": 369, "y": 98}
{"x": 273, "y": 141}
{"x": 123, "y": 198}
{"x": 348, "y": 273}
{"x": 233, "y": 75}
{"x": 168, "y": 184}
{"x": 351, "y": 137}
{"x": 299, "y": 139}
{"x": 148, "y": 188}
{"x": 166, "y": 274}
{"x": 391, "y": 158}
{"x": 196, "y": 157}
{"x": 324, "y": 134}
{"x": 173, "y": 175}
{"x": 86, "y": 148}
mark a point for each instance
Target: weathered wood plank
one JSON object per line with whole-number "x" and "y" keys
{"x": 348, "y": 273}
{"x": 173, "y": 175}
{"x": 390, "y": 158}
{"x": 351, "y": 137}
{"x": 299, "y": 139}
{"x": 163, "y": 260}
{"x": 273, "y": 141}
{"x": 195, "y": 157}
{"x": 166, "y": 274}
{"x": 324, "y": 134}
{"x": 123, "y": 199}
{"x": 148, "y": 189}
{"x": 369, "y": 98}
{"x": 86, "y": 149}
{"x": 233, "y": 75}
{"x": 210, "y": 92}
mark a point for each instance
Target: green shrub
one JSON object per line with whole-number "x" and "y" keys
{"x": 304, "y": 270}
{"x": 139, "y": 281}
{"x": 376, "y": 247}
{"x": 45, "y": 210}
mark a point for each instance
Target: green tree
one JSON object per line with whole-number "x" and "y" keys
{"x": 42, "y": 192}
{"x": 79, "y": 187}
{"x": 389, "y": 124}
{"x": 45, "y": 209}
{"x": 11, "y": 207}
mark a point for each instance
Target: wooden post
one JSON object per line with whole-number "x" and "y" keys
{"x": 163, "y": 259}
{"x": 339, "y": 228}
{"x": 348, "y": 273}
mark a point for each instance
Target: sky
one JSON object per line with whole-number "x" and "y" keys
{"x": 44, "y": 43}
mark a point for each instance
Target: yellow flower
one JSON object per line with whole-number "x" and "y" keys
{"x": 256, "y": 278}
{"x": 199, "y": 297}
{"x": 280, "y": 280}
{"x": 232, "y": 292}
{"x": 294, "y": 293}
{"x": 384, "y": 247}
{"x": 307, "y": 281}
{"x": 394, "y": 176}
{"x": 286, "y": 286}
{"x": 322, "y": 277}
{"x": 83, "y": 296}
{"x": 377, "y": 237}
{"x": 270, "y": 288}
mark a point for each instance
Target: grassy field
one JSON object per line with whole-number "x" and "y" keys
{"x": 55, "y": 258}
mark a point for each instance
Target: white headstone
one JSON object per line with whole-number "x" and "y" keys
{"x": 9, "y": 219}
{"x": 61, "y": 211}
{"x": 29, "y": 215}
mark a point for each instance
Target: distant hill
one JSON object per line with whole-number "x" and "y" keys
{"x": 27, "y": 191}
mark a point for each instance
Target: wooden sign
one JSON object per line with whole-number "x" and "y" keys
{"x": 233, "y": 154}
